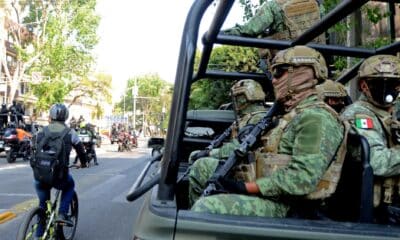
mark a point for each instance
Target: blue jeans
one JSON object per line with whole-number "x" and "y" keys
{"x": 43, "y": 192}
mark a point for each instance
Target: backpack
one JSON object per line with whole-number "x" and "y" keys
{"x": 50, "y": 161}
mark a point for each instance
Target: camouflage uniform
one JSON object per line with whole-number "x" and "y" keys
{"x": 268, "y": 18}
{"x": 203, "y": 168}
{"x": 385, "y": 155}
{"x": 280, "y": 19}
{"x": 310, "y": 138}
{"x": 248, "y": 98}
{"x": 372, "y": 117}
{"x": 384, "y": 161}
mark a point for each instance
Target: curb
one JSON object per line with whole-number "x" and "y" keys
{"x": 4, "y": 217}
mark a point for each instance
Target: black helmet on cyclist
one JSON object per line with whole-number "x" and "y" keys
{"x": 58, "y": 112}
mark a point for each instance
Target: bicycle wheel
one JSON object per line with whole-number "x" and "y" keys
{"x": 30, "y": 224}
{"x": 65, "y": 232}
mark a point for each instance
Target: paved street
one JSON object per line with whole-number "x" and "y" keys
{"x": 103, "y": 211}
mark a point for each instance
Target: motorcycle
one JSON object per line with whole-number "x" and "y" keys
{"x": 126, "y": 142}
{"x": 114, "y": 137}
{"x": 15, "y": 148}
{"x": 88, "y": 145}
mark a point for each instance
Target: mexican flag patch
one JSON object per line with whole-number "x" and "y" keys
{"x": 365, "y": 123}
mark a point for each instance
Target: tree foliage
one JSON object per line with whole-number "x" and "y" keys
{"x": 153, "y": 100}
{"x": 61, "y": 36}
{"x": 210, "y": 94}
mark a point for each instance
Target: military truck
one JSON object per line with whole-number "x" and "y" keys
{"x": 165, "y": 213}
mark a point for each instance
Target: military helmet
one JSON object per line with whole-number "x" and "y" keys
{"x": 251, "y": 89}
{"x": 58, "y": 112}
{"x": 380, "y": 66}
{"x": 331, "y": 89}
{"x": 245, "y": 92}
{"x": 302, "y": 56}
{"x": 382, "y": 75}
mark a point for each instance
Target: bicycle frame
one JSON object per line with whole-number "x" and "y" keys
{"x": 51, "y": 215}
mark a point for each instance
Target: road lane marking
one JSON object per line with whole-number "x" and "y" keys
{"x": 6, "y": 216}
{"x": 13, "y": 166}
{"x": 17, "y": 195}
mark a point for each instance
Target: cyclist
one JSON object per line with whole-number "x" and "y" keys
{"x": 57, "y": 116}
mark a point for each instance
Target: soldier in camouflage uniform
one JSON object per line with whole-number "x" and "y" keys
{"x": 372, "y": 116}
{"x": 248, "y": 100}
{"x": 296, "y": 160}
{"x": 334, "y": 94}
{"x": 281, "y": 20}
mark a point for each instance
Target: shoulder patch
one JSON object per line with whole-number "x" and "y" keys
{"x": 363, "y": 121}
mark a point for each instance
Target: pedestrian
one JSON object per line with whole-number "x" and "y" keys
{"x": 4, "y": 116}
{"x": 297, "y": 158}
{"x": 374, "y": 117}
{"x": 13, "y": 112}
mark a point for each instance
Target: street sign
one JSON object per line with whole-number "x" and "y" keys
{"x": 36, "y": 77}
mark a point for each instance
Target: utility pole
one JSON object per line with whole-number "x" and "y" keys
{"x": 135, "y": 92}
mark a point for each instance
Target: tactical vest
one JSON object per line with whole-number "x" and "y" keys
{"x": 384, "y": 187}
{"x": 247, "y": 171}
{"x": 269, "y": 160}
{"x": 299, "y": 16}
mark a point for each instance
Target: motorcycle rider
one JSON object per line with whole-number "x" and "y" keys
{"x": 88, "y": 128}
{"x": 73, "y": 123}
{"x": 24, "y": 139}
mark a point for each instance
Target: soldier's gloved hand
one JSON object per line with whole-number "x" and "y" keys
{"x": 200, "y": 154}
{"x": 233, "y": 186}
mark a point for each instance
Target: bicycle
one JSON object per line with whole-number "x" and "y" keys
{"x": 52, "y": 229}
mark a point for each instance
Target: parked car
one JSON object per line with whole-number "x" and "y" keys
{"x": 165, "y": 213}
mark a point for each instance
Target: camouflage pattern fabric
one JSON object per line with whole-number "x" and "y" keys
{"x": 234, "y": 204}
{"x": 384, "y": 161}
{"x": 311, "y": 138}
{"x": 199, "y": 173}
{"x": 203, "y": 168}
{"x": 269, "y": 18}
{"x": 224, "y": 151}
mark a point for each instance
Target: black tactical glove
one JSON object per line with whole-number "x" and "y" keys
{"x": 233, "y": 186}
{"x": 200, "y": 154}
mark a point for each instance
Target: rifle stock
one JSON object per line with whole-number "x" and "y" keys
{"x": 264, "y": 124}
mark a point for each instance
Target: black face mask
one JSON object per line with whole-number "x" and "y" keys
{"x": 384, "y": 91}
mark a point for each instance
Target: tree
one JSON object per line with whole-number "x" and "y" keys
{"x": 210, "y": 94}
{"x": 54, "y": 38}
{"x": 154, "y": 94}
{"x": 97, "y": 88}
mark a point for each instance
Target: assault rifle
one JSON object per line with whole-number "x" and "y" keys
{"x": 216, "y": 142}
{"x": 265, "y": 124}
